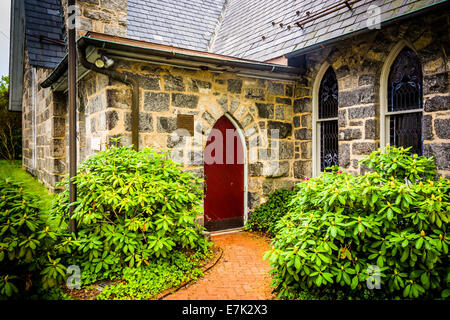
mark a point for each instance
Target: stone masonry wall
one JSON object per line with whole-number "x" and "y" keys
{"x": 44, "y": 112}
{"x": 103, "y": 16}
{"x": 257, "y": 105}
{"x": 357, "y": 63}
{"x": 303, "y": 129}
{"x": 27, "y": 120}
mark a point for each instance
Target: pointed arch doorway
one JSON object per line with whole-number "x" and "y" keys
{"x": 225, "y": 168}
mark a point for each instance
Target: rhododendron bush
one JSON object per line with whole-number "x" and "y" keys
{"x": 378, "y": 235}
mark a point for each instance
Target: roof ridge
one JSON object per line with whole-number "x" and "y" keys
{"x": 218, "y": 26}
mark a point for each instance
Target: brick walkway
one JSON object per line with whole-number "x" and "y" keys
{"x": 241, "y": 273}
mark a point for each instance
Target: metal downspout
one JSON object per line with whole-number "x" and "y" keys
{"x": 133, "y": 83}
{"x": 72, "y": 84}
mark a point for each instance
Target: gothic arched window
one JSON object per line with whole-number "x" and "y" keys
{"x": 328, "y": 119}
{"x": 404, "y": 105}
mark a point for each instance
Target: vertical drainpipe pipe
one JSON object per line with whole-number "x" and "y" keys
{"x": 72, "y": 75}
{"x": 124, "y": 78}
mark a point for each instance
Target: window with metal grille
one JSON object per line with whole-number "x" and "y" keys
{"x": 405, "y": 102}
{"x": 328, "y": 119}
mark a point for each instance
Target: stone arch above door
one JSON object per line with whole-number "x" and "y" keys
{"x": 240, "y": 111}
{"x": 245, "y": 117}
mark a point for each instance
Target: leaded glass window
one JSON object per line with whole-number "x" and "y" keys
{"x": 327, "y": 117}
{"x": 405, "y": 102}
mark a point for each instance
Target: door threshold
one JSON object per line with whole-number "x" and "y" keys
{"x": 226, "y": 231}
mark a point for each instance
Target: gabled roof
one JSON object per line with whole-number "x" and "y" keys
{"x": 189, "y": 24}
{"x": 247, "y": 21}
{"x": 36, "y": 26}
{"x": 251, "y": 29}
{"x": 43, "y": 25}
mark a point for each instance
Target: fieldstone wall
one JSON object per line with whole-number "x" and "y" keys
{"x": 358, "y": 62}
{"x": 303, "y": 129}
{"x": 28, "y": 143}
{"x": 257, "y": 105}
{"x": 44, "y": 113}
{"x": 103, "y": 16}
{"x": 92, "y": 111}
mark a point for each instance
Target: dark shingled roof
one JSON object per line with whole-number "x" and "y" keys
{"x": 236, "y": 27}
{"x": 189, "y": 24}
{"x": 246, "y": 21}
{"x": 43, "y": 20}
{"x": 228, "y": 27}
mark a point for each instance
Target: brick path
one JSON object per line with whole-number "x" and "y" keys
{"x": 241, "y": 273}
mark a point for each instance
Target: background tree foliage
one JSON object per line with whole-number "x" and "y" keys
{"x": 10, "y": 126}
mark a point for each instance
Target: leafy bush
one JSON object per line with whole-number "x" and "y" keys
{"x": 131, "y": 207}
{"x": 399, "y": 163}
{"x": 266, "y": 216}
{"x": 146, "y": 282}
{"x": 346, "y": 230}
{"x": 31, "y": 186}
{"x": 27, "y": 264}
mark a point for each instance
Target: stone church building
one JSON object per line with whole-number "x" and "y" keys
{"x": 303, "y": 84}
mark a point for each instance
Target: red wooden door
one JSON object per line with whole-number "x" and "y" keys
{"x": 224, "y": 177}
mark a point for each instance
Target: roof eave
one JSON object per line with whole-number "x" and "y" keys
{"x": 189, "y": 56}
{"x": 16, "y": 56}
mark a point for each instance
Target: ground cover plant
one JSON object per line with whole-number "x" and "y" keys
{"x": 134, "y": 208}
{"x": 266, "y": 216}
{"x": 147, "y": 282}
{"x": 382, "y": 235}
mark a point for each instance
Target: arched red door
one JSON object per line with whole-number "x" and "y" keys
{"x": 224, "y": 177}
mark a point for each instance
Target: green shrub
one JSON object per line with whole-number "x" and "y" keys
{"x": 31, "y": 186}
{"x": 343, "y": 228}
{"x": 399, "y": 163}
{"x": 146, "y": 282}
{"x": 27, "y": 263}
{"x": 131, "y": 207}
{"x": 266, "y": 216}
